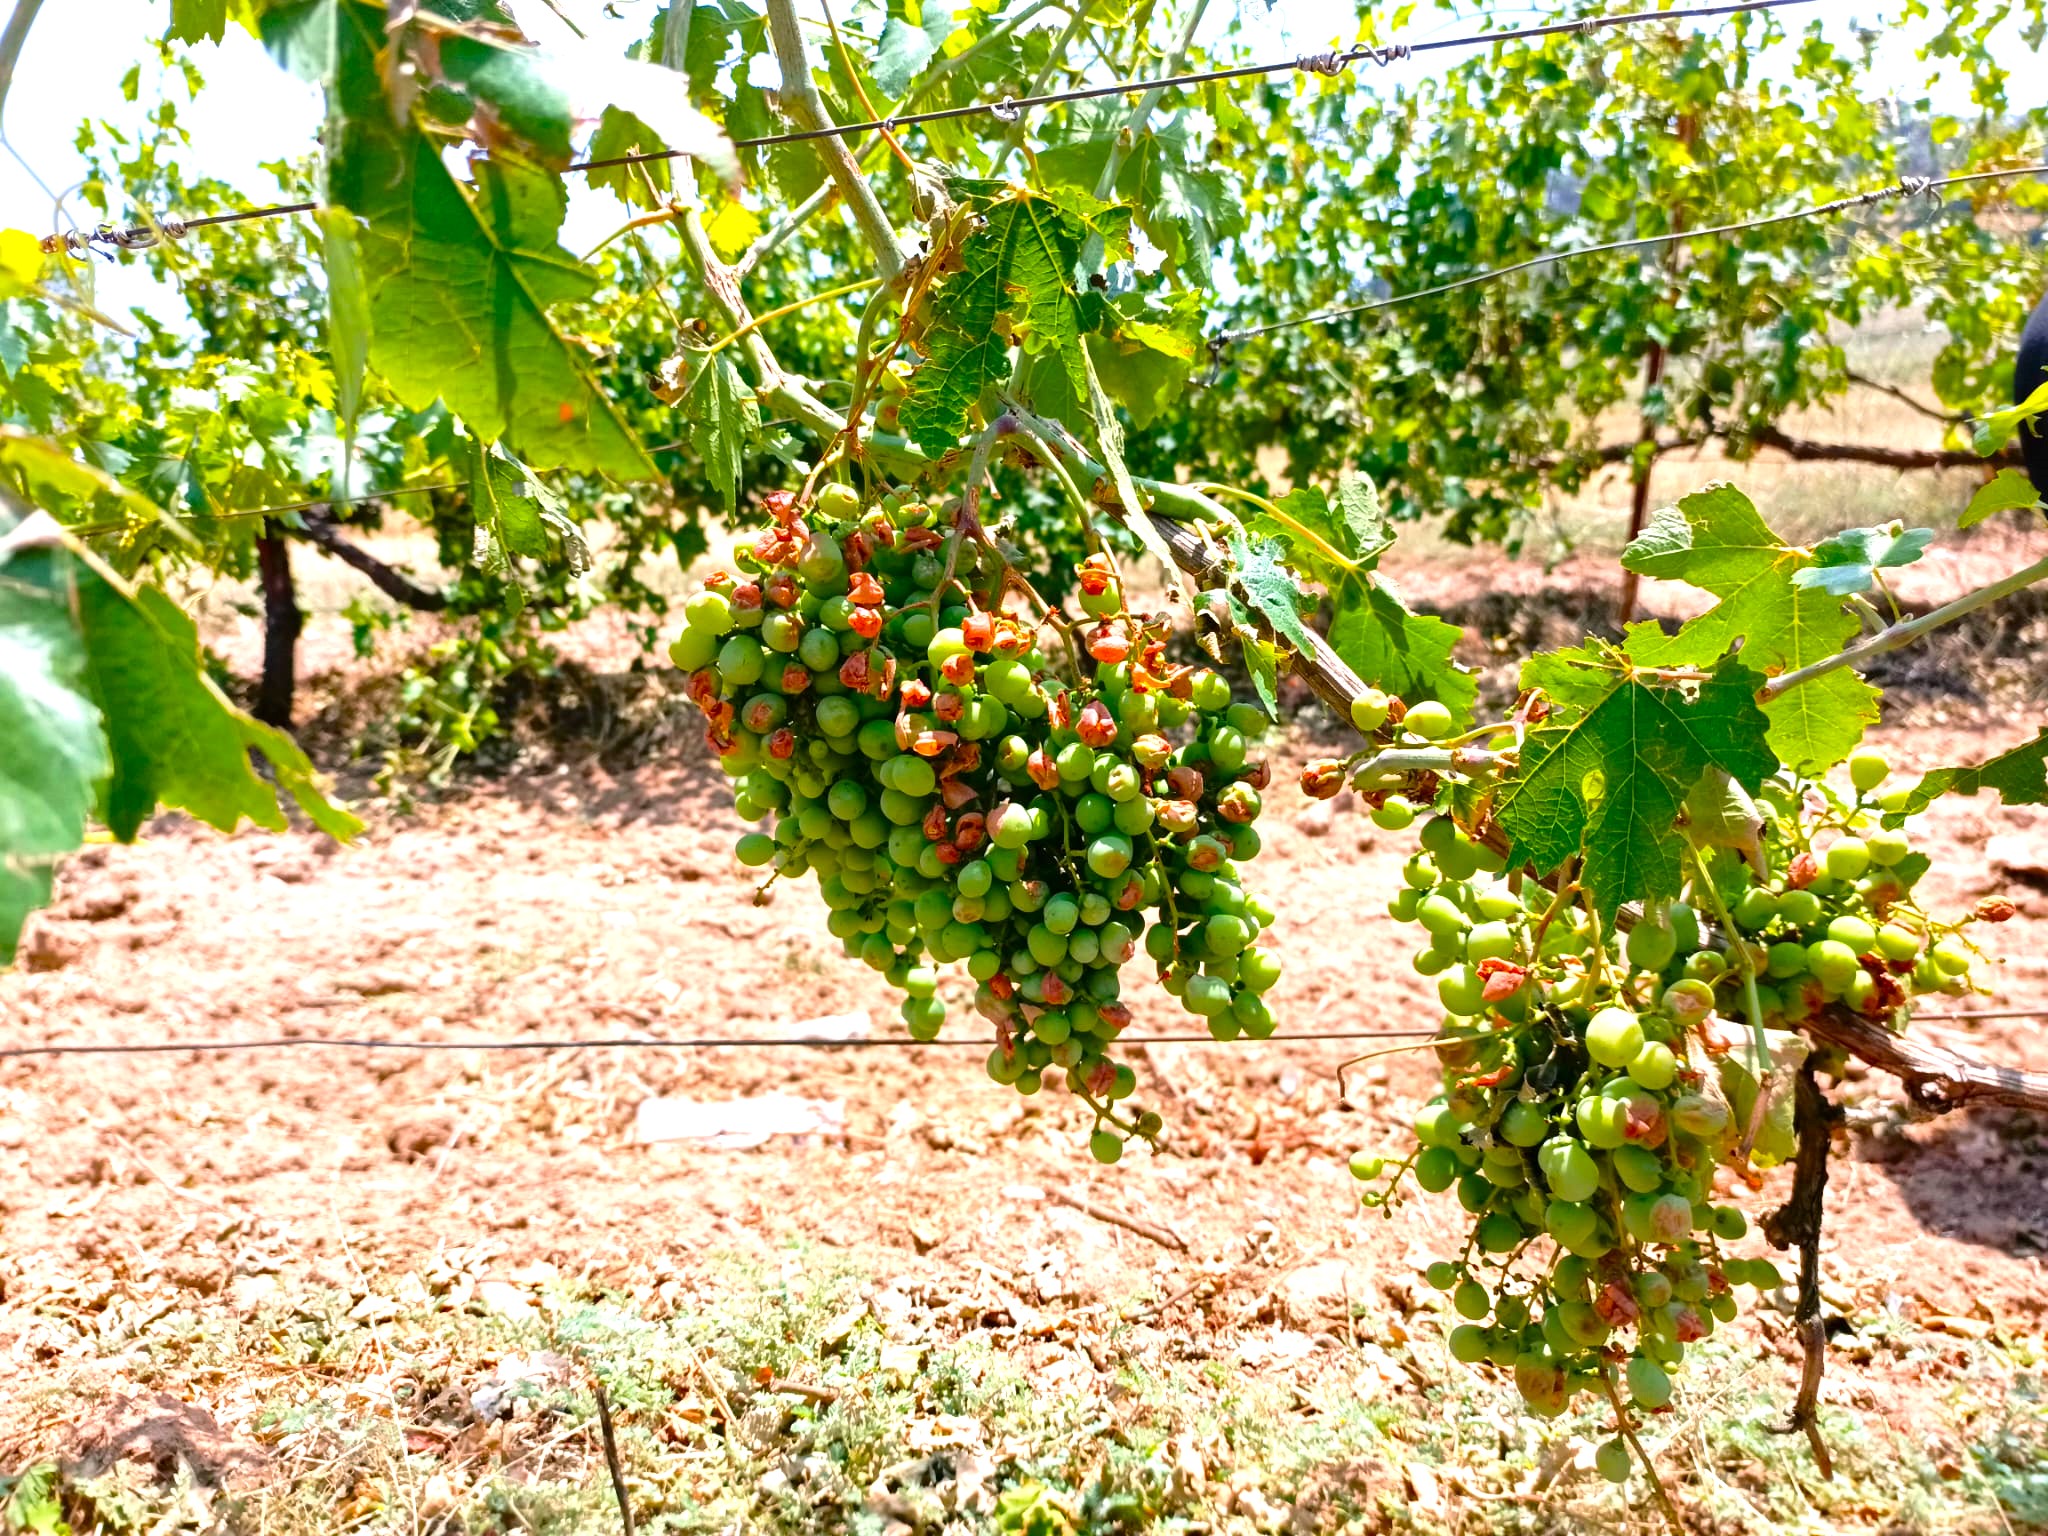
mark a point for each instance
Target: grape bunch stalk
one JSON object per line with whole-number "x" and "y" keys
{"x": 976, "y": 777}
{"x": 1603, "y": 1088}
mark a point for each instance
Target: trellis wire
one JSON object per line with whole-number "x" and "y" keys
{"x": 1007, "y": 110}
{"x": 758, "y": 1042}
{"x": 634, "y": 1042}
{"x": 1904, "y": 187}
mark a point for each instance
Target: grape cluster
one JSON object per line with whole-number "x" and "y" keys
{"x": 963, "y": 797}
{"x": 1593, "y": 1083}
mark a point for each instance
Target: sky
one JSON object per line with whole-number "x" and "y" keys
{"x": 252, "y": 111}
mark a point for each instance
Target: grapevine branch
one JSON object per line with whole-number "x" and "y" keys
{"x": 1797, "y": 1224}
{"x": 1905, "y": 634}
{"x": 321, "y": 531}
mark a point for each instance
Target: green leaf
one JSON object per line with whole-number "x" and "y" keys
{"x": 1015, "y": 284}
{"x": 1605, "y": 783}
{"x": 1183, "y": 208}
{"x": 517, "y": 512}
{"x": 53, "y": 752}
{"x": 348, "y": 311}
{"x": 1391, "y": 647}
{"x": 461, "y": 287}
{"x": 529, "y": 111}
{"x": 176, "y": 741}
{"x": 721, "y": 411}
{"x": 592, "y": 81}
{"x": 199, "y": 21}
{"x": 1714, "y": 539}
{"x": 34, "y": 1504}
{"x": 1269, "y": 588}
{"x": 1997, "y": 428}
{"x": 2006, "y": 491}
{"x": 1338, "y": 543}
{"x": 1262, "y": 664}
{"x": 2020, "y": 776}
{"x": 910, "y": 40}
{"x": 1147, "y": 348}
{"x": 1849, "y": 561}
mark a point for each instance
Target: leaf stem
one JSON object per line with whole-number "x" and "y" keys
{"x": 1905, "y": 634}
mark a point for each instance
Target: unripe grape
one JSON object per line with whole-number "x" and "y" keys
{"x": 1369, "y": 710}
{"x": 1897, "y": 942}
{"x": 1756, "y": 908}
{"x": 1106, "y": 1146}
{"x": 1847, "y": 858}
{"x": 1868, "y": 768}
{"x": 693, "y": 649}
{"x": 1436, "y": 1169}
{"x": 1950, "y": 958}
{"x": 755, "y": 849}
{"x": 1613, "y": 1037}
{"x": 1654, "y": 1066}
{"x": 1490, "y": 941}
{"x": 1498, "y": 1232}
{"x": 1802, "y": 909}
{"x": 1612, "y": 1461}
{"x": 1468, "y": 1344}
{"x": 1394, "y": 813}
{"x": 1367, "y": 1166}
{"x": 1429, "y": 720}
{"x": 709, "y": 611}
{"x": 1833, "y": 963}
{"x": 1651, "y": 946}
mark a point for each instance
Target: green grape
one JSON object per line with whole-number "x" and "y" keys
{"x": 1847, "y": 858}
{"x": 1868, "y": 768}
{"x": 1369, "y": 710}
{"x": 1429, "y": 720}
{"x": 1614, "y": 1037}
{"x": 1613, "y": 1462}
{"x": 1393, "y": 814}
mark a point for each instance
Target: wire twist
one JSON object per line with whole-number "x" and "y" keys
{"x": 1331, "y": 63}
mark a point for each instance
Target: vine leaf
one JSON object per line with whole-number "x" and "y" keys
{"x": 1604, "y": 780}
{"x": 53, "y": 754}
{"x": 1184, "y": 208}
{"x": 348, "y": 311}
{"x": 517, "y": 513}
{"x": 1145, "y": 351}
{"x": 1338, "y": 543}
{"x": 1714, "y": 539}
{"x": 911, "y": 39}
{"x": 1849, "y": 561}
{"x": 1995, "y": 429}
{"x": 723, "y": 414}
{"x": 2020, "y": 776}
{"x": 2003, "y": 492}
{"x": 105, "y": 706}
{"x": 462, "y": 284}
{"x": 1268, "y": 588}
{"x": 1015, "y": 283}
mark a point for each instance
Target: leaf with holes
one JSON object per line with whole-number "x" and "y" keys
{"x": 1714, "y": 539}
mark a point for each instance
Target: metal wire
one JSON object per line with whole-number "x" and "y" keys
{"x": 1907, "y": 186}
{"x": 794, "y": 1042}
{"x": 634, "y": 1042}
{"x": 1007, "y": 110}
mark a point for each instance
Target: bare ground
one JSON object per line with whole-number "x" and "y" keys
{"x": 170, "y": 1221}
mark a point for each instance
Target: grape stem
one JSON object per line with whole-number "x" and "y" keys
{"x": 1625, "y": 1427}
{"x": 1896, "y": 635}
{"x": 1751, "y": 1003}
{"x": 1797, "y": 1223}
{"x": 1385, "y": 769}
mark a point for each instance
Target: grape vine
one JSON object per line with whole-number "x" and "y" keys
{"x": 1661, "y": 896}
